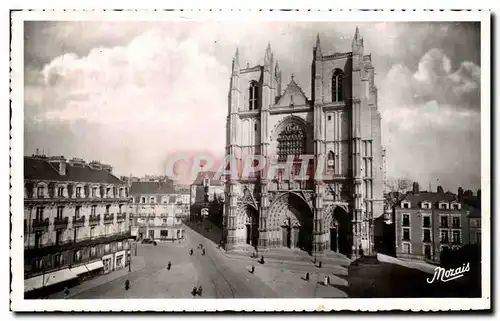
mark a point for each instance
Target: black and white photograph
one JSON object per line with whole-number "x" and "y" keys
{"x": 332, "y": 158}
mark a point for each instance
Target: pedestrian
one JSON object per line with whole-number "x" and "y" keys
{"x": 169, "y": 265}
{"x": 326, "y": 281}
{"x": 66, "y": 291}
{"x": 191, "y": 252}
{"x": 203, "y": 253}
{"x": 200, "y": 290}
{"x": 253, "y": 269}
{"x": 307, "y": 276}
{"x": 127, "y": 284}
{"x": 194, "y": 291}
{"x": 262, "y": 259}
{"x": 320, "y": 264}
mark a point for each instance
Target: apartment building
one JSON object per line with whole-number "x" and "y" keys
{"x": 76, "y": 221}
{"x": 429, "y": 223}
{"x": 158, "y": 209}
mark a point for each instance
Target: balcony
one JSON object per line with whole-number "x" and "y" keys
{"x": 108, "y": 218}
{"x": 94, "y": 220}
{"x": 121, "y": 217}
{"x": 60, "y": 223}
{"x": 79, "y": 221}
{"x": 40, "y": 225}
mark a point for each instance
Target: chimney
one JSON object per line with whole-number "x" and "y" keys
{"x": 59, "y": 162}
{"x": 415, "y": 188}
{"x": 440, "y": 189}
{"x": 460, "y": 194}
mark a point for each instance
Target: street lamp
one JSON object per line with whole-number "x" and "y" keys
{"x": 129, "y": 254}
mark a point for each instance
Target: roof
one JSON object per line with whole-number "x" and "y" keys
{"x": 37, "y": 168}
{"x": 140, "y": 188}
{"x": 433, "y": 197}
{"x": 206, "y": 174}
{"x": 473, "y": 211}
{"x": 293, "y": 95}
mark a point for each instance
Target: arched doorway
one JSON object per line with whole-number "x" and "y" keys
{"x": 251, "y": 225}
{"x": 337, "y": 227}
{"x": 291, "y": 215}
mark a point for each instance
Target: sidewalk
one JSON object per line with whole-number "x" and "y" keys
{"x": 138, "y": 263}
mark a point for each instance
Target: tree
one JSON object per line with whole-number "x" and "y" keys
{"x": 397, "y": 189}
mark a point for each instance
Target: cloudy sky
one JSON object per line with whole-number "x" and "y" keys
{"x": 129, "y": 94}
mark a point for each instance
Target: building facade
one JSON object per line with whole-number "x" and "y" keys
{"x": 339, "y": 126}
{"x": 429, "y": 223}
{"x": 206, "y": 188}
{"x": 76, "y": 220}
{"x": 157, "y": 210}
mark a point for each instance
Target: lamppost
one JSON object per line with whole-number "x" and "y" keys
{"x": 129, "y": 254}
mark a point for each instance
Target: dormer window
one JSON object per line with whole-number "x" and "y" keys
{"x": 443, "y": 205}
{"x": 426, "y": 205}
{"x": 455, "y": 206}
{"x": 405, "y": 204}
{"x": 152, "y": 199}
{"x": 143, "y": 200}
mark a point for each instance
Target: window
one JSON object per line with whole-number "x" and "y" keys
{"x": 337, "y": 91}
{"x": 95, "y": 192}
{"x": 456, "y": 237}
{"x": 331, "y": 161}
{"x": 253, "y": 96}
{"x": 444, "y": 221}
{"x": 291, "y": 142}
{"x": 406, "y": 248}
{"x": 425, "y": 205}
{"x": 405, "y": 205}
{"x": 59, "y": 259}
{"x": 107, "y": 228}
{"x": 60, "y": 191}
{"x": 120, "y": 209}
{"x": 107, "y": 248}
{"x": 164, "y": 233}
{"x": 92, "y": 231}
{"x": 427, "y": 235}
{"x": 406, "y": 219}
{"x": 108, "y": 192}
{"x": 255, "y": 127}
{"x": 164, "y": 199}
{"x": 152, "y": 199}
{"x": 329, "y": 117}
{"x": 60, "y": 212}
{"x": 427, "y": 221}
{"x": 39, "y": 192}
{"x": 119, "y": 246}
{"x": 455, "y": 222}
{"x": 77, "y": 256}
{"x": 107, "y": 209}
{"x": 443, "y": 206}
{"x": 77, "y": 233}
{"x": 38, "y": 239}
{"x": 444, "y": 237}
{"x": 164, "y": 220}
{"x": 455, "y": 206}
{"x": 474, "y": 222}
{"x": 39, "y": 213}
{"x": 406, "y": 234}
{"x": 93, "y": 210}
{"x": 143, "y": 200}
{"x": 78, "y": 192}
{"x": 93, "y": 251}
{"x": 38, "y": 265}
{"x": 58, "y": 237}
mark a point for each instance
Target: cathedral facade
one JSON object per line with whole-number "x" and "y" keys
{"x": 339, "y": 126}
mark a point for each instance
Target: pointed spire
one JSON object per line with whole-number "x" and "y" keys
{"x": 317, "y": 48}
{"x": 277, "y": 70}
{"x": 236, "y": 61}
{"x": 356, "y": 33}
{"x": 268, "y": 55}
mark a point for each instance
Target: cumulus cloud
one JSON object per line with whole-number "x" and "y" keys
{"x": 431, "y": 119}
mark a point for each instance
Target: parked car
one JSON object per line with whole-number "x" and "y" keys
{"x": 148, "y": 241}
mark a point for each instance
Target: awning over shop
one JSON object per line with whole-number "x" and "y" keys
{"x": 48, "y": 279}
{"x": 79, "y": 269}
{"x": 95, "y": 265}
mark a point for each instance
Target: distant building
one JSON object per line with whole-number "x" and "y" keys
{"x": 205, "y": 188}
{"x": 76, "y": 221}
{"x": 157, "y": 210}
{"x": 429, "y": 223}
{"x": 474, "y": 224}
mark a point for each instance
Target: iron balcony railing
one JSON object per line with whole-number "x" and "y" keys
{"x": 60, "y": 222}
{"x": 79, "y": 221}
{"x": 94, "y": 219}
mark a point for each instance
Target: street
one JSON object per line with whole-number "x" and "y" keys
{"x": 218, "y": 275}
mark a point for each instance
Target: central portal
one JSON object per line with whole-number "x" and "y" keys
{"x": 293, "y": 218}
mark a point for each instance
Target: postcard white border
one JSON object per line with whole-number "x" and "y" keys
{"x": 433, "y": 304}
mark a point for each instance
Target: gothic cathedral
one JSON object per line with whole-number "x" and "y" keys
{"x": 339, "y": 126}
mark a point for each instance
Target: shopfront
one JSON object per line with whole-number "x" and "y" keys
{"x": 108, "y": 263}
{"x": 120, "y": 260}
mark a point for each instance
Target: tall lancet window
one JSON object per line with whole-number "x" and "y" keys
{"x": 253, "y": 96}
{"x": 337, "y": 92}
